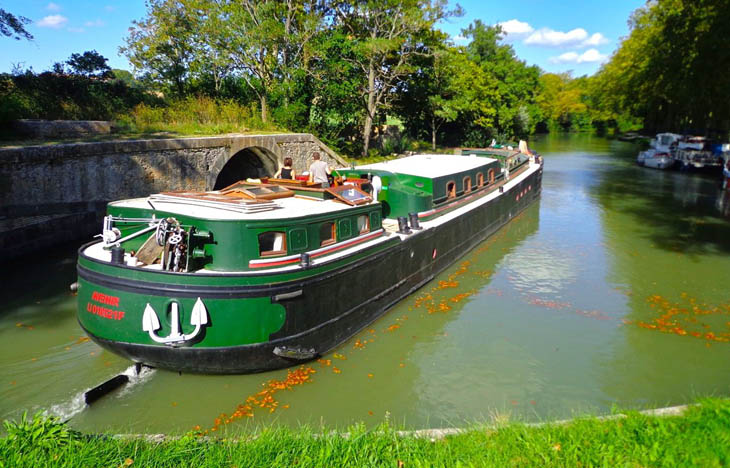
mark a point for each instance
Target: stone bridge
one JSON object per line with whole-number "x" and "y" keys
{"x": 58, "y": 193}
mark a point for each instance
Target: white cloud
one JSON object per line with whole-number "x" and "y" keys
{"x": 460, "y": 39}
{"x": 516, "y": 27}
{"x": 109, "y": 8}
{"x": 596, "y": 39}
{"x": 52, "y": 21}
{"x": 589, "y": 56}
{"x": 53, "y": 7}
{"x": 94, "y": 24}
{"x": 551, "y": 38}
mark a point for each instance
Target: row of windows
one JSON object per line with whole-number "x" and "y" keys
{"x": 273, "y": 243}
{"x": 466, "y": 183}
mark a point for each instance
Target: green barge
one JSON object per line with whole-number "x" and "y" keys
{"x": 260, "y": 276}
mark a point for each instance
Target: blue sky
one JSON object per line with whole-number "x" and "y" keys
{"x": 557, "y": 35}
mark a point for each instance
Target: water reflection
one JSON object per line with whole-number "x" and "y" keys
{"x": 668, "y": 244}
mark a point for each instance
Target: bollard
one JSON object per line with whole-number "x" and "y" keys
{"x": 403, "y": 225}
{"x": 118, "y": 255}
{"x": 415, "y": 225}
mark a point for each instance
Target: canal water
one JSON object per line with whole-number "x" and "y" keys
{"x": 612, "y": 290}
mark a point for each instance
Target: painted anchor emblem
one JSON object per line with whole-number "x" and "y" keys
{"x": 151, "y": 323}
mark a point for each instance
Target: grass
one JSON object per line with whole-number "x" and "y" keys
{"x": 193, "y": 116}
{"x": 699, "y": 437}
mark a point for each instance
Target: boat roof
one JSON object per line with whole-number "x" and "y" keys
{"x": 431, "y": 165}
{"x": 291, "y": 207}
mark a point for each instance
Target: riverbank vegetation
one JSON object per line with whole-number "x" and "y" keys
{"x": 342, "y": 69}
{"x": 699, "y": 437}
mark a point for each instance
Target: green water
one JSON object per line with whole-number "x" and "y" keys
{"x": 549, "y": 318}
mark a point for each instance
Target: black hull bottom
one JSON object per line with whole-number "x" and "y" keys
{"x": 391, "y": 276}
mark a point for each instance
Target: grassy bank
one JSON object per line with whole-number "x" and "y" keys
{"x": 700, "y": 437}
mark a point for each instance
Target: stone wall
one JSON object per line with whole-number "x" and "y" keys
{"x": 56, "y": 193}
{"x": 61, "y": 128}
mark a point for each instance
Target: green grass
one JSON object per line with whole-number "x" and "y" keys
{"x": 700, "y": 437}
{"x": 193, "y": 116}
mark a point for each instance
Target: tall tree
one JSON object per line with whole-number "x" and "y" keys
{"x": 389, "y": 34}
{"x": 446, "y": 88}
{"x": 265, "y": 39}
{"x": 161, "y": 45}
{"x": 14, "y": 26}
{"x": 670, "y": 71}
{"x": 517, "y": 83}
{"x": 90, "y": 63}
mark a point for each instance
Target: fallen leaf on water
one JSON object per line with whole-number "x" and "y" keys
{"x": 370, "y": 413}
{"x": 370, "y": 376}
{"x": 336, "y": 370}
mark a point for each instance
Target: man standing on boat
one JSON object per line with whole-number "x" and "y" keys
{"x": 318, "y": 171}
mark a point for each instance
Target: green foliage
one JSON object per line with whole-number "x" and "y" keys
{"x": 40, "y": 432}
{"x": 194, "y": 116}
{"x": 671, "y": 73}
{"x": 516, "y": 83}
{"x": 60, "y": 96}
{"x": 700, "y": 437}
{"x": 90, "y": 63}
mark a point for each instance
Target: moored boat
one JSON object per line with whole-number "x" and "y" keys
{"x": 693, "y": 152}
{"x": 259, "y": 276}
{"x": 659, "y": 156}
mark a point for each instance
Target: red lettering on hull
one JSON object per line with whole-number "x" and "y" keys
{"x": 104, "y": 312}
{"x": 105, "y": 299}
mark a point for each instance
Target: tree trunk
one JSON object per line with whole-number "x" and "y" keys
{"x": 433, "y": 134}
{"x": 264, "y": 108}
{"x": 370, "y": 114}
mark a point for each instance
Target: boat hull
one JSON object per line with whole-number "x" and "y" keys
{"x": 253, "y": 320}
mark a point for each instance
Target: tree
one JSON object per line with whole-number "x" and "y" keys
{"x": 160, "y": 46}
{"x": 446, "y": 88}
{"x": 517, "y": 83}
{"x": 562, "y": 100}
{"x": 14, "y": 26}
{"x": 670, "y": 72}
{"x": 263, "y": 40}
{"x": 90, "y": 63}
{"x": 389, "y": 35}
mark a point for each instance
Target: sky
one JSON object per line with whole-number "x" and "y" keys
{"x": 557, "y": 35}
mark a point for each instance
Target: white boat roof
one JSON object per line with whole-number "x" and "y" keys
{"x": 290, "y": 207}
{"x": 431, "y": 165}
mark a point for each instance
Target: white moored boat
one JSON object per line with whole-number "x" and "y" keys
{"x": 659, "y": 156}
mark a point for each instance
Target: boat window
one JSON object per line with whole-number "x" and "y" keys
{"x": 272, "y": 243}
{"x": 363, "y": 224}
{"x": 491, "y": 176}
{"x": 480, "y": 179}
{"x": 327, "y": 233}
{"x": 467, "y": 184}
{"x": 450, "y": 189}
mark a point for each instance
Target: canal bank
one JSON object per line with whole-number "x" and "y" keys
{"x": 698, "y": 437}
{"x": 551, "y": 318}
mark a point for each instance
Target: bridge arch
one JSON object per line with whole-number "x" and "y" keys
{"x": 242, "y": 162}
